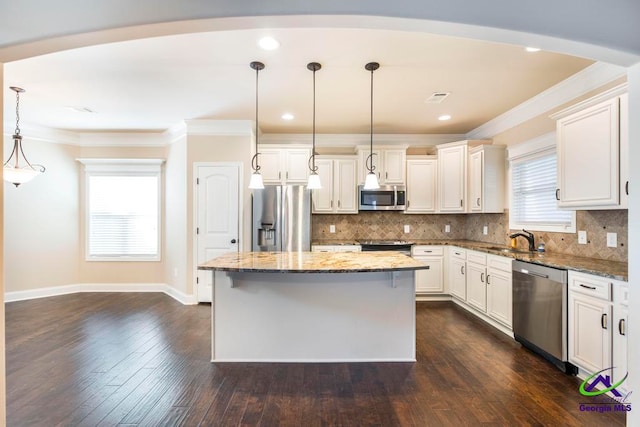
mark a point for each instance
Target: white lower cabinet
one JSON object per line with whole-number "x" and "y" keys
{"x": 499, "y": 289}
{"x": 598, "y": 324}
{"x": 457, "y": 275}
{"x": 476, "y": 280}
{"x": 429, "y": 281}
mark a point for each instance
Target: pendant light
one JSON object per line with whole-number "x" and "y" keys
{"x": 18, "y": 172}
{"x": 256, "y": 178}
{"x": 371, "y": 181}
{"x": 314, "y": 179}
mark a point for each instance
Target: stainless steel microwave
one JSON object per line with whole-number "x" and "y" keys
{"x": 385, "y": 198}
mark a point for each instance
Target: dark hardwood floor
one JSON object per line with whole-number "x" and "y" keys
{"x": 134, "y": 359}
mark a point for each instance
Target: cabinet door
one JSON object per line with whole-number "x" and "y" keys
{"x": 452, "y": 178}
{"x": 589, "y": 332}
{"x": 394, "y": 166}
{"x": 322, "y": 199}
{"x": 620, "y": 343}
{"x": 345, "y": 186}
{"x": 499, "y": 296}
{"x": 588, "y": 157}
{"x": 458, "y": 278}
{"x": 476, "y": 286}
{"x": 431, "y": 280}
{"x": 296, "y": 165}
{"x": 475, "y": 181}
{"x": 271, "y": 165}
{"x": 624, "y": 151}
{"x": 377, "y": 163}
{"x": 421, "y": 186}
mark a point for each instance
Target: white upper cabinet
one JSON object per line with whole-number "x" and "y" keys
{"x": 452, "y": 178}
{"x": 487, "y": 179}
{"x": 591, "y": 136}
{"x": 421, "y": 184}
{"x": 389, "y": 163}
{"x": 339, "y": 189}
{"x": 284, "y": 165}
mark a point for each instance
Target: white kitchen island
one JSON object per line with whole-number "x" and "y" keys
{"x": 313, "y": 307}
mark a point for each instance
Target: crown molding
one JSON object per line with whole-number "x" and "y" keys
{"x": 591, "y": 78}
{"x": 601, "y": 97}
{"x": 44, "y": 134}
{"x": 121, "y": 139}
{"x": 351, "y": 140}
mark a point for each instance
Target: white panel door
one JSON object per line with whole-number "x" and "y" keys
{"x": 394, "y": 166}
{"x": 452, "y": 178}
{"x": 476, "y": 286}
{"x": 296, "y": 165}
{"x": 271, "y": 165}
{"x": 217, "y": 228}
{"x": 345, "y": 186}
{"x": 475, "y": 181}
{"x": 323, "y": 198}
{"x": 421, "y": 186}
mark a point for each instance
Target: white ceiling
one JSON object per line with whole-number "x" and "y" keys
{"x": 152, "y": 84}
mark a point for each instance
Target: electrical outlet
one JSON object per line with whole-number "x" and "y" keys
{"x": 485, "y": 230}
{"x": 582, "y": 237}
{"x": 407, "y": 229}
{"x": 332, "y": 228}
{"x": 612, "y": 240}
{"x": 447, "y": 228}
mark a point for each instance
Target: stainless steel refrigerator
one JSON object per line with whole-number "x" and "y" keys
{"x": 282, "y": 219}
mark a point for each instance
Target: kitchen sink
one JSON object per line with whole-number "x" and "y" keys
{"x": 507, "y": 250}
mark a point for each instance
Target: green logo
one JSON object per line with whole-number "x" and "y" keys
{"x": 587, "y": 387}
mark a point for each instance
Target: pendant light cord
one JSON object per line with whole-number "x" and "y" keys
{"x": 313, "y": 142}
{"x": 17, "y": 131}
{"x": 257, "y": 166}
{"x": 371, "y": 127}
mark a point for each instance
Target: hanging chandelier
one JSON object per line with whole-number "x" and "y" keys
{"x": 17, "y": 169}
{"x": 256, "y": 182}
{"x": 314, "y": 179}
{"x": 371, "y": 181}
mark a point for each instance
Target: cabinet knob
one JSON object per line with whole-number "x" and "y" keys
{"x": 557, "y": 194}
{"x": 482, "y": 277}
{"x": 621, "y": 327}
{"x": 462, "y": 270}
{"x": 488, "y": 275}
{"x": 233, "y": 241}
{"x": 478, "y": 201}
{"x": 626, "y": 187}
{"x": 603, "y": 321}
{"x": 461, "y": 202}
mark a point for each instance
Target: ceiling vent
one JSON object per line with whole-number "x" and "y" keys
{"x": 437, "y": 97}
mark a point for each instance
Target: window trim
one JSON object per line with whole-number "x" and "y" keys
{"x": 531, "y": 150}
{"x": 121, "y": 167}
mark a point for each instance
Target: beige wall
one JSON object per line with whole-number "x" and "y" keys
{"x": 113, "y": 272}
{"x": 218, "y": 148}
{"x": 41, "y": 220}
{"x": 176, "y": 231}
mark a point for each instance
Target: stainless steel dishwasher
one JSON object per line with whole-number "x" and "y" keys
{"x": 540, "y": 312}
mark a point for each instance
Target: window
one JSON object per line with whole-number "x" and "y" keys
{"x": 123, "y": 210}
{"x": 533, "y": 194}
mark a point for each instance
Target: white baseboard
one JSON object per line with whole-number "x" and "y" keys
{"x": 179, "y": 296}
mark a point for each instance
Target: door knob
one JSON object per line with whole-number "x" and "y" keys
{"x": 233, "y": 240}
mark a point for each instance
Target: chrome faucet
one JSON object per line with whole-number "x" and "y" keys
{"x": 527, "y": 235}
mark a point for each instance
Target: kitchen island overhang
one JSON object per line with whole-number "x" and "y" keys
{"x": 313, "y": 307}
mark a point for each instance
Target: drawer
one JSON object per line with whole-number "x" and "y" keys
{"x": 323, "y": 248}
{"x": 621, "y": 293}
{"x": 477, "y": 257}
{"x": 458, "y": 253}
{"x": 347, "y": 248}
{"x": 499, "y": 262}
{"x": 427, "y": 251}
{"x": 587, "y": 284}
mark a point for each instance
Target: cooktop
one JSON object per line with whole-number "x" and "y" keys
{"x": 384, "y": 242}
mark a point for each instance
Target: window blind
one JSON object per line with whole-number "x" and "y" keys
{"x": 533, "y": 201}
{"x": 123, "y": 216}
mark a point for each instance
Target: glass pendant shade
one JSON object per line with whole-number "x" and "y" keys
{"x": 18, "y": 176}
{"x": 256, "y": 181}
{"x": 314, "y": 182}
{"x": 371, "y": 182}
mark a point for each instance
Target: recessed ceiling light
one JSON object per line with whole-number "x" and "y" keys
{"x": 444, "y": 117}
{"x": 532, "y": 49}
{"x": 288, "y": 116}
{"x": 268, "y": 43}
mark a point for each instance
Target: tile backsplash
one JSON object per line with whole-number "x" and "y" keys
{"x": 390, "y": 226}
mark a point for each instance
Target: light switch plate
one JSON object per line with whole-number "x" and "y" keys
{"x": 485, "y": 230}
{"x": 582, "y": 237}
{"x": 447, "y": 228}
{"x": 407, "y": 229}
{"x": 332, "y": 228}
{"x": 612, "y": 240}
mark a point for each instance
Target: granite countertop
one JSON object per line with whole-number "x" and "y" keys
{"x": 599, "y": 267}
{"x": 313, "y": 262}
{"x": 335, "y": 243}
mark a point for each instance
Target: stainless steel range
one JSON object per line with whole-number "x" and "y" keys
{"x": 401, "y": 246}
